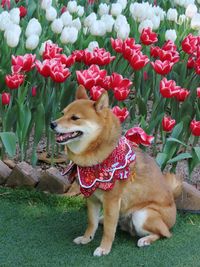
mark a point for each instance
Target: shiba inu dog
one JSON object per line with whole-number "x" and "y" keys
{"x": 131, "y": 188}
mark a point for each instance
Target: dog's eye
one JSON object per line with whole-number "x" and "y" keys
{"x": 74, "y": 118}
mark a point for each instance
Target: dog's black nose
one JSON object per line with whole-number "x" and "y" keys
{"x": 53, "y": 125}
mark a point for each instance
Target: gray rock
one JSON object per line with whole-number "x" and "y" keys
{"x": 4, "y": 172}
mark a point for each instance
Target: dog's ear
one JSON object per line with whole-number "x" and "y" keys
{"x": 102, "y": 102}
{"x": 81, "y": 93}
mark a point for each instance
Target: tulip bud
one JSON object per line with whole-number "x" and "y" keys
{"x": 195, "y": 22}
{"x": 103, "y": 9}
{"x": 198, "y": 92}
{"x": 4, "y": 20}
{"x": 172, "y": 14}
{"x": 12, "y": 38}
{"x": 195, "y": 127}
{"x": 80, "y": 11}
{"x": 168, "y": 123}
{"x": 76, "y": 23}
{"x": 147, "y": 23}
{"x": 66, "y": 19}
{"x": 5, "y": 99}
{"x": 116, "y": 9}
{"x": 92, "y": 45}
{"x": 63, "y": 9}
{"x": 89, "y": 20}
{"x": 46, "y": 4}
{"x": 33, "y": 27}
{"x": 191, "y": 10}
{"x": 51, "y": 13}
{"x": 34, "y": 91}
{"x": 15, "y": 15}
{"x": 98, "y": 28}
{"x": 32, "y": 42}
{"x": 109, "y": 22}
{"x": 23, "y": 11}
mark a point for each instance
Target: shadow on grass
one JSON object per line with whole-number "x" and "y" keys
{"x": 38, "y": 229}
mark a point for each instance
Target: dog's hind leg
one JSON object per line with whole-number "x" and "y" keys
{"x": 150, "y": 226}
{"x": 93, "y": 208}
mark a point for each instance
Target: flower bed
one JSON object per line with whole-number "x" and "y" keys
{"x": 145, "y": 55}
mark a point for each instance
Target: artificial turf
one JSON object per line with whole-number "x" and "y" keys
{"x": 37, "y": 230}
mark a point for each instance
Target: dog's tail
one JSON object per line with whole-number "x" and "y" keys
{"x": 175, "y": 183}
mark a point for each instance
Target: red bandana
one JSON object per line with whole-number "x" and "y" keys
{"x": 104, "y": 175}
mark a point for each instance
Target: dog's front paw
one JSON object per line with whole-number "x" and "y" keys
{"x": 101, "y": 252}
{"x": 82, "y": 240}
{"x": 143, "y": 242}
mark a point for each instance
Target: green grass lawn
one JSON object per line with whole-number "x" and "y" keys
{"x": 38, "y": 229}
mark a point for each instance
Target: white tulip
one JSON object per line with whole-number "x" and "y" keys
{"x": 116, "y": 9}
{"x": 156, "y": 22}
{"x": 172, "y": 14}
{"x": 109, "y": 22}
{"x": 4, "y": 20}
{"x": 15, "y": 15}
{"x": 69, "y": 35}
{"x": 89, "y": 20}
{"x": 80, "y": 11}
{"x": 98, "y": 28}
{"x": 121, "y": 20}
{"x": 170, "y": 35}
{"x": 13, "y": 28}
{"x": 198, "y": 1}
{"x": 51, "y": 14}
{"x": 92, "y": 45}
{"x": 159, "y": 12}
{"x": 66, "y": 18}
{"x": 190, "y": 11}
{"x": 57, "y": 26}
{"x": 12, "y": 38}
{"x": 76, "y": 23}
{"x": 145, "y": 24}
{"x": 195, "y": 22}
{"x": 33, "y": 27}
{"x": 32, "y": 42}
{"x": 42, "y": 48}
{"x": 182, "y": 19}
{"x": 103, "y": 9}
{"x": 179, "y": 2}
{"x": 188, "y": 2}
{"x": 45, "y": 4}
{"x": 123, "y": 3}
{"x": 72, "y": 6}
{"x": 123, "y": 31}
{"x": 139, "y": 11}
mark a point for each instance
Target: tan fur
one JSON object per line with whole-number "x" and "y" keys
{"x": 145, "y": 200}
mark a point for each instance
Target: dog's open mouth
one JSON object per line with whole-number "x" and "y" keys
{"x": 64, "y": 137}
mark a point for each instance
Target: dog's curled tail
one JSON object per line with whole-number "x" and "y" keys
{"x": 175, "y": 183}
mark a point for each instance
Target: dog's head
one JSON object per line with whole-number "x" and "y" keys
{"x": 82, "y": 121}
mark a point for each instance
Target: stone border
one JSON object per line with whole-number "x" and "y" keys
{"x": 24, "y": 175}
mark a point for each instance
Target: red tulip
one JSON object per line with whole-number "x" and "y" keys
{"x": 168, "y": 88}
{"x": 122, "y": 114}
{"x": 195, "y": 127}
{"x": 67, "y": 61}
{"x": 96, "y": 92}
{"x": 23, "y": 63}
{"x": 169, "y": 46}
{"x": 198, "y": 92}
{"x": 59, "y": 73}
{"x": 99, "y": 56}
{"x": 168, "y": 123}
{"x": 34, "y": 91}
{"x": 121, "y": 93}
{"x": 79, "y": 55}
{"x": 51, "y": 51}
{"x": 44, "y": 67}
{"x": 148, "y": 37}
{"x": 14, "y": 81}
{"x": 90, "y": 77}
{"x": 129, "y": 47}
{"x": 191, "y": 62}
{"x": 63, "y": 9}
{"x": 138, "y": 60}
{"x": 105, "y": 83}
{"x": 154, "y": 51}
{"x": 117, "y": 44}
{"x": 172, "y": 56}
{"x": 138, "y": 136}
{"x": 22, "y": 11}
{"x": 5, "y": 99}
{"x": 162, "y": 67}
{"x": 182, "y": 94}
{"x": 90, "y": 2}
{"x": 189, "y": 44}
{"x": 5, "y": 3}
{"x": 197, "y": 66}
{"x": 117, "y": 81}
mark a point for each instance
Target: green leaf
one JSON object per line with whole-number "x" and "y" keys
{"x": 142, "y": 106}
{"x": 9, "y": 141}
{"x": 195, "y": 160}
{"x": 161, "y": 159}
{"x": 180, "y": 157}
{"x": 172, "y": 139}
